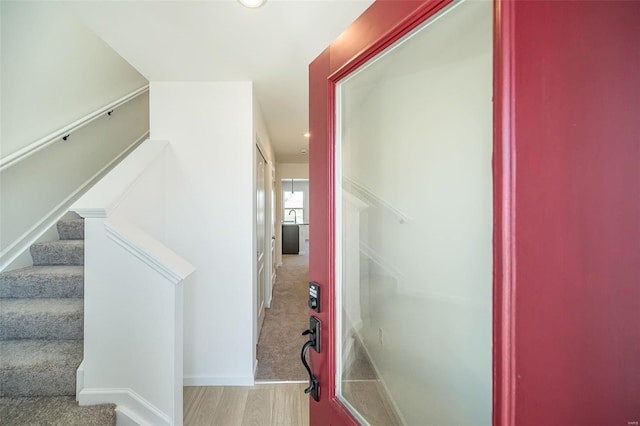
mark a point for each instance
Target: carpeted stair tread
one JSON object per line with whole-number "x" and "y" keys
{"x": 71, "y": 229}
{"x": 39, "y": 367}
{"x": 58, "y": 281}
{"x": 54, "y": 411}
{"x": 41, "y": 319}
{"x": 61, "y": 252}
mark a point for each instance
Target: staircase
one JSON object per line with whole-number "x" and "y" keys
{"x": 41, "y": 332}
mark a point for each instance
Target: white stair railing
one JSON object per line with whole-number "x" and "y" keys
{"x": 134, "y": 288}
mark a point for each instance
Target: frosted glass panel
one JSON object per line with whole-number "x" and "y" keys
{"x": 414, "y": 266}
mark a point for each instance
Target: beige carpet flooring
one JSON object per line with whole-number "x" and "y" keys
{"x": 281, "y": 336}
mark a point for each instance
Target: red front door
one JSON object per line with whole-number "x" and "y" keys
{"x": 383, "y": 24}
{"x": 566, "y": 210}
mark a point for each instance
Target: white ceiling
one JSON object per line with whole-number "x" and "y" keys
{"x": 221, "y": 40}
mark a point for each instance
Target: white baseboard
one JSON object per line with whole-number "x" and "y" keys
{"x": 217, "y": 381}
{"x": 131, "y": 408}
{"x": 79, "y": 380}
{"x": 31, "y": 236}
{"x": 125, "y": 417}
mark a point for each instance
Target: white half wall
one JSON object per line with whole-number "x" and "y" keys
{"x": 210, "y": 220}
{"x": 128, "y": 267}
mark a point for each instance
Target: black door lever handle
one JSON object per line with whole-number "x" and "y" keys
{"x": 314, "y": 386}
{"x": 314, "y": 342}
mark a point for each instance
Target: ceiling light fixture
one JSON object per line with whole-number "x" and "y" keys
{"x": 252, "y": 4}
{"x": 306, "y": 135}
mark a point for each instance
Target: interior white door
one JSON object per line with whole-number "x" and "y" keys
{"x": 260, "y": 237}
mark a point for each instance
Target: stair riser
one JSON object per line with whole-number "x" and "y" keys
{"x": 72, "y": 287}
{"x": 57, "y": 255}
{"x": 71, "y": 230}
{"x": 67, "y": 326}
{"x": 34, "y": 382}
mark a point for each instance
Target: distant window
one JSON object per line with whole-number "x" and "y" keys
{"x": 293, "y": 206}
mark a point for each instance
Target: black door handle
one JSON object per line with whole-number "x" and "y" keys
{"x": 314, "y": 342}
{"x": 314, "y": 386}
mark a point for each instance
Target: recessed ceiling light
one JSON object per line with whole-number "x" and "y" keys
{"x": 253, "y": 4}
{"x": 306, "y": 135}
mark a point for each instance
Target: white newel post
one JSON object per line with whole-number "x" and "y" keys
{"x": 134, "y": 286}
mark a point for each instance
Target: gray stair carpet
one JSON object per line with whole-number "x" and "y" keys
{"x": 55, "y": 281}
{"x": 41, "y": 319}
{"x": 61, "y": 252}
{"x": 39, "y": 367}
{"x": 71, "y": 229}
{"x": 41, "y": 336}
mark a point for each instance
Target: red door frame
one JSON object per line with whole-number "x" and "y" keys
{"x": 504, "y": 279}
{"x": 381, "y": 25}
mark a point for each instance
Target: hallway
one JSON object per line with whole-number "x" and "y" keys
{"x": 281, "y": 336}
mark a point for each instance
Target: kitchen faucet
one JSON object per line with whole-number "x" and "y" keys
{"x": 295, "y": 217}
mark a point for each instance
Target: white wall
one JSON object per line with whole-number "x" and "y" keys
{"x": 261, "y": 131}
{"x": 293, "y": 170}
{"x": 54, "y": 71}
{"x": 210, "y": 129}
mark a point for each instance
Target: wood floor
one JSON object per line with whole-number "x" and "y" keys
{"x": 259, "y": 405}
